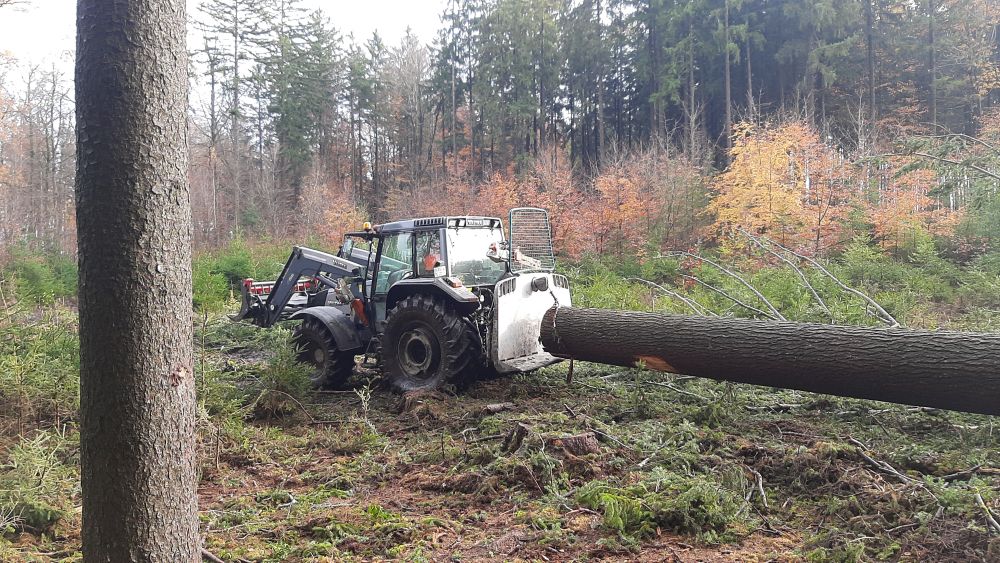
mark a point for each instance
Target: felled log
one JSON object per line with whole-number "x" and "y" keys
{"x": 949, "y": 370}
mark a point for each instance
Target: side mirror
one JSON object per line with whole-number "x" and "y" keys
{"x": 346, "y": 248}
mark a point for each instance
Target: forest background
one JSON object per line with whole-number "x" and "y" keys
{"x": 641, "y": 125}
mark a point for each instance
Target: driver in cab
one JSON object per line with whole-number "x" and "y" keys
{"x": 432, "y": 256}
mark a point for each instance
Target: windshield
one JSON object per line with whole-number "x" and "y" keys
{"x": 467, "y": 249}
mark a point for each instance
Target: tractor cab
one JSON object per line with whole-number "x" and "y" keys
{"x": 466, "y": 253}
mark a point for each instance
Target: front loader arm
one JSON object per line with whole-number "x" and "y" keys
{"x": 303, "y": 262}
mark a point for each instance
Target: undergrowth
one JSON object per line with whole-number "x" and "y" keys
{"x": 288, "y": 474}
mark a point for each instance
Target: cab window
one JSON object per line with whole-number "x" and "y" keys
{"x": 397, "y": 261}
{"x": 361, "y": 251}
{"x": 429, "y": 254}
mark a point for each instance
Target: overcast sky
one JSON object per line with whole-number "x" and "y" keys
{"x": 42, "y": 31}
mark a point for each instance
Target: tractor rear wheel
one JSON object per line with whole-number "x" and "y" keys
{"x": 427, "y": 344}
{"x": 317, "y": 348}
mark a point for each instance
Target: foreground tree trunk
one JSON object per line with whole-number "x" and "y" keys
{"x": 951, "y": 370}
{"x": 137, "y": 397}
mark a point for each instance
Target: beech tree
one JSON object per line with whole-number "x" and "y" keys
{"x": 137, "y": 397}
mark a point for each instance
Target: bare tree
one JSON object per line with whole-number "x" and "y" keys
{"x": 137, "y": 397}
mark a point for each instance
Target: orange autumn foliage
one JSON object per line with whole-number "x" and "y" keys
{"x": 498, "y": 195}
{"x": 551, "y": 187}
{"x": 903, "y": 206}
{"x": 769, "y": 186}
{"x": 615, "y": 216}
{"x": 340, "y": 217}
{"x": 632, "y": 203}
{"x": 786, "y": 183}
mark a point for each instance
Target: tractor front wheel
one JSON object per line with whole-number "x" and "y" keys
{"x": 317, "y": 348}
{"x": 427, "y": 344}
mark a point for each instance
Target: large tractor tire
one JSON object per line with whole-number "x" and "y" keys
{"x": 318, "y": 348}
{"x": 427, "y": 344}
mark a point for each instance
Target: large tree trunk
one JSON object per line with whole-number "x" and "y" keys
{"x": 951, "y": 370}
{"x": 137, "y": 397}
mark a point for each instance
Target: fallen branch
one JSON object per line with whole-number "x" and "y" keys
{"x": 883, "y": 315}
{"x": 798, "y": 271}
{"x": 961, "y": 474}
{"x": 778, "y": 407}
{"x": 209, "y": 556}
{"x": 610, "y": 437}
{"x": 990, "y": 519}
{"x": 643, "y": 463}
{"x": 291, "y": 501}
{"x": 485, "y": 438}
{"x": 730, "y": 297}
{"x": 759, "y": 487}
{"x": 736, "y": 277}
{"x": 964, "y": 137}
{"x": 903, "y": 527}
{"x": 337, "y": 421}
{"x": 976, "y": 470}
{"x": 880, "y": 465}
{"x": 693, "y": 305}
{"x": 975, "y": 167}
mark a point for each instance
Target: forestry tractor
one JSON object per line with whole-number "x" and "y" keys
{"x": 432, "y": 300}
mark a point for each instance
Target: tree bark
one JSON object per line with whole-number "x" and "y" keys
{"x": 870, "y": 58}
{"x": 137, "y": 397}
{"x": 750, "y": 104}
{"x": 958, "y": 371}
{"x": 932, "y": 62}
{"x": 728, "y": 85}
{"x": 691, "y": 116}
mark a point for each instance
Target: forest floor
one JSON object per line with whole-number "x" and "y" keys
{"x": 655, "y": 468}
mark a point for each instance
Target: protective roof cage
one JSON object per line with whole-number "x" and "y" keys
{"x": 530, "y": 240}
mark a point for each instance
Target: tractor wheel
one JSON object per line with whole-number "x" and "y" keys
{"x": 317, "y": 348}
{"x": 427, "y": 344}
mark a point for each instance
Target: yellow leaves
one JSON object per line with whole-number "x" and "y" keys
{"x": 785, "y": 182}
{"x": 987, "y": 78}
{"x": 765, "y": 187}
